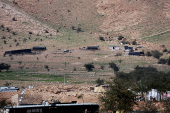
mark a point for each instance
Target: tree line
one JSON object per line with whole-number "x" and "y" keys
{"x": 125, "y": 86}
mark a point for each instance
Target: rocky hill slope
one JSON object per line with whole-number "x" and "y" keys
{"x": 131, "y": 18}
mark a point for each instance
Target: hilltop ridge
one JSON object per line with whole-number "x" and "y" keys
{"x": 131, "y": 18}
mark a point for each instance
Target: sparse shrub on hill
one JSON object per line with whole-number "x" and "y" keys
{"x": 24, "y": 40}
{"x": 74, "y": 69}
{"x": 4, "y": 66}
{"x": 165, "y": 50}
{"x": 162, "y": 61}
{"x": 114, "y": 67}
{"x": 17, "y": 44}
{"x": 73, "y": 28}
{"x": 15, "y": 40}
{"x": 46, "y": 31}
{"x": 148, "y": 53}
{"x": 21, "y": 67}
{"x": 156, "y": 54}
{"x": 123, "y": 42}
{"x": 14, "y": 33}
{"x": 89, "y": 67}
{"x": 11, "y": 57}
{"x": 120, "y": 37}
{"x": 127, "y": 42}
{"x": 79, "y": 30}
{"x": 20, "y": 62}
{"x": 8, "y": 29}
{"x": 46, "y": 67}
{"x": 30, "y": 32}
{"x": 168, "y": 61}
{"x": 102, "y": 67}
{"x": 5, "y": 41}
{"x": 101, "y": 38}
{"x": 120, "y": 61}
{"x": 14, "y": 19}
{"x": 2, "y": 26}
{"x": 16, "y": 3}
{"x": 3, "y": 37}
{"x": 7, "y": 84}
{"x": 81, "y": 97}
{"x": 99, "y": 81}
{"x": 134, "y": 42}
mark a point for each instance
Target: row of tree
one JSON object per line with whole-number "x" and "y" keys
{"x": 121, "y": 95}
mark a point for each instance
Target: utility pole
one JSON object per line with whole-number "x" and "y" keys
{"x": 65, "y": 72}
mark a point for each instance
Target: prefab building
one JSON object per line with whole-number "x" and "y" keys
{"x": 21, "y": 51}
{"x": 39, "y": 48}
{"x": 5, "y": 88}
{"x": 56, "y": 108}
{"x": 136, "y": 53}
{"x": 114, "y": 47}
{"x": 92, "y": 48}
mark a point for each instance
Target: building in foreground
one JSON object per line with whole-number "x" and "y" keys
{"x": 55, "y": 108}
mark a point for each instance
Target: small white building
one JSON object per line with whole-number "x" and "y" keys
{"x": 114, "y": 48}
{"x": 8, "y": 88}
{"x": 153, "y": 94}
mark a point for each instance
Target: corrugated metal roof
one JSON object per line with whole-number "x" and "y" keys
{"x": 37, "y": 106}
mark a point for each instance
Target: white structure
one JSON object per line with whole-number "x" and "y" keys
{"x": 114, "y": 48}
{"x": 153, "y": 94}
{"x": 6, "y": 88}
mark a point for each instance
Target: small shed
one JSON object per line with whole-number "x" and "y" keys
{"x": 136, "y": 53}
{"x": 128, "y": 48}
{"x": 39, "y": 48}
{"x": 92, "y": 48}
{"x": 114, "y": 47}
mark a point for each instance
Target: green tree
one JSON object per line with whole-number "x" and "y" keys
{"x": 89, "y": 67}
{"x": 101, "y": 38}
{"x": 148, "y": 53}
{"x": 156, "y": 54}
{"x": 165, "y": 50}
{"x": 4, "y": 66}
{"x": 99, "y": 81}
{"x": 114, "y": 67}
{"x": 118, "y": 98}
{"x": 168, "y": 61}
{"x": 81, "y": 97}
{"x": 120, "y": 37}
{"x": 46, "y": 67}
{"x": 162, "y": 61}
{"x": 7, "y": 84}
{"x": 134, "y": 42}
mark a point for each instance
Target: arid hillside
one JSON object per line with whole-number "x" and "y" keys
{"x": 131, "y": 18}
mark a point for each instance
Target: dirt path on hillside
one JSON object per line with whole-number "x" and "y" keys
{"x": 156, "y": 34}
